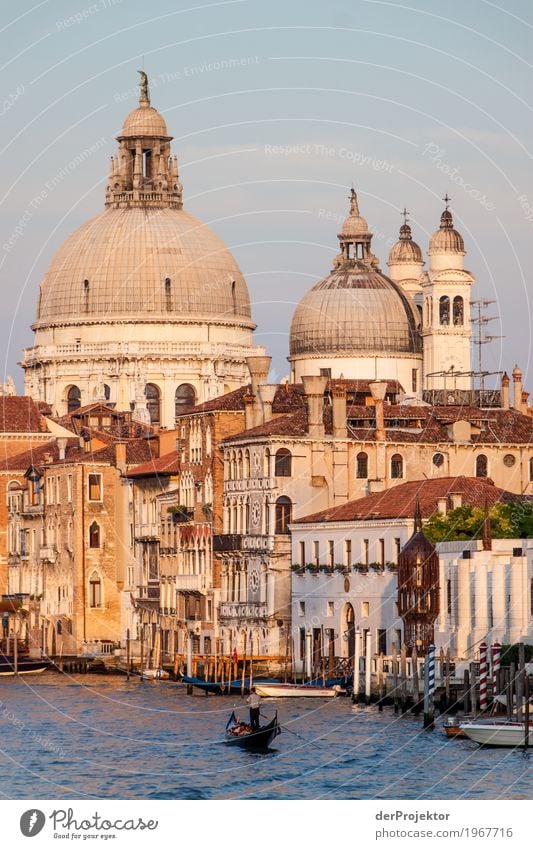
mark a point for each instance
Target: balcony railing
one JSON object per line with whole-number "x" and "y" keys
{"x": 243, "y": 610}
{"x": 48, "y": 553}
{"x": 227, "y": 542}
{"x": 147, "y": 531}
{"x": 193, "y": 583}
{"x": 32, "y": 510}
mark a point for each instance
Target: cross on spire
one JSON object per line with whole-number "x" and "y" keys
{"x": 446, "y": 200}
{"x": 405, "y": 214}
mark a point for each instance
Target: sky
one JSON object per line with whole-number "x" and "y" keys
{"x": 277, "y": 109}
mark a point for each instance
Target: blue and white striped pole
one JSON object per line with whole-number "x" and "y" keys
{"x": 429, "y": 687}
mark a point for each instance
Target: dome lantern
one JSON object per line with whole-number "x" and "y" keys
{"x": 355, "y": 238}
{"x": 144, "y": 174}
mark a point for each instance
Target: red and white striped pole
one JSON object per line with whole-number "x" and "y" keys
{"x": 496, "y": 654}
{"x": 483, "y": 669}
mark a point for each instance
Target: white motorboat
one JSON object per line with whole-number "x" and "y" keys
{"x": 276, "y": 691}
{"x": 498, "y": 733}
{"x": 155, "y": 675}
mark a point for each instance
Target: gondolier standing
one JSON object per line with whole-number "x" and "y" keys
{"x": 254, "y": 700}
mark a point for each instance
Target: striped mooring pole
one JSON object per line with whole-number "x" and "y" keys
{"x": 429, "y": 695}
{"x": 483, "y": 670}
{"x": 496, "y": 651}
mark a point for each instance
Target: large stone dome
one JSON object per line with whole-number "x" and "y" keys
{"x": 355, "y": 310}
{"x": 143, "y": 264}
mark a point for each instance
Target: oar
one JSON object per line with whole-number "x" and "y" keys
{"x": 310, "y": 742}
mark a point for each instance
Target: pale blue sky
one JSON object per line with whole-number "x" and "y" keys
{"x": 388, "y": 96}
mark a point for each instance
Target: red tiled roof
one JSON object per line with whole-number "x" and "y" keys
{"x": 36, "y": 456}
{"x": 399, "y": 502}
{"x": 137, "y": 451}
{"x": 20, "y": 414}
{"x": 168, "y": 464}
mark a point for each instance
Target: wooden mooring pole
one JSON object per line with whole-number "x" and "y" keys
{"x": 368, "y": 668}
{"x": 403, "y": 677}
{"x": 128, "y": 657}
{"x": 395, "y": 677}
{"x": 356, "y": 667}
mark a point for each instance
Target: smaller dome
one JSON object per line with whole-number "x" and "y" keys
{"x": 446, "y": 239}
{"x": 405, "y": 250}
{"x": 144, "y": 121}
{"x": 354, "y": 225}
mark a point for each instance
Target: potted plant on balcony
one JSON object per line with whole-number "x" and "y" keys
{"x": 360, "y": 567}
{"x": 313, "y": 568}
{"x": 377, "y": 567}
{"x": 391, "y": 566}
{"x": 298, "y": 568}
{"x": 207, "y": 510}
{"x": 341, "y": 567}
{"x": 180, "y": 513}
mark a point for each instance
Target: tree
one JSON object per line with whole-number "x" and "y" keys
{"x": 466, "y": 522}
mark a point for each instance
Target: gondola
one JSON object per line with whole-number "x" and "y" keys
{"x": 25, "y": 665}
{"x": 222, "y": 688}
{"x": 240, "y": 733}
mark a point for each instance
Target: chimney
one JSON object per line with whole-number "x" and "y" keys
{"x": 62, "y": 446}
{"x": 517, "y": 389}
{"x": 456, "y": 499}
{"x": 258, "y": 368}
{"x": 314, "y": 388}
{"x": 338, "y": 392}
{"x": 248, "y": 412}
{"x": 505, "y": 391}
{"x": 120, "y": 455}
{"x": 442, "y": 505}
{"x": 523, "y": 408}
{"x": 47, "y": 457}
{"x": 267, "y": 392}
{"x": 378, "y": 389}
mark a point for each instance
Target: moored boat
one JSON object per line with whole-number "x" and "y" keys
{"x": 25, "y": 665}
{"x": 240, "y": 733}
{"x": 297, "y": 690}
{"x": 452, "y": 727}
{"x": 155, "y": 674}
{"x": 508, "y": 734}
{"x": 223, "y": 688}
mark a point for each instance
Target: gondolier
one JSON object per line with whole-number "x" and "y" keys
{"x": 254, "y": 700}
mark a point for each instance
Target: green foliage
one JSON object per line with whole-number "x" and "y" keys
{"x": 507, "y": 521}
{"x": 509, "y": 654}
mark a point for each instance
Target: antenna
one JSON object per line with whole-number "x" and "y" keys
{"x": 481, "y": 337}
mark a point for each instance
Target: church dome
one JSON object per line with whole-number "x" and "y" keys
{"x": 405, "y": 249}
{"x": 143, "y": 264}
{"x": 144, "y": 121}
{"x": 355, "y": 311}
{"x": 446, "y": 239}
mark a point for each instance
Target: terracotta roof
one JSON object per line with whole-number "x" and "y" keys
{"x": 137, "y": 451}
{"x": 20, "y": 414}
{"x": 122, "y": 424}
{"x": 399, "y": 502}
{"x": 168, "y": 464}
{"x": 36, "y": 456}
{"x": 288, "y": 397}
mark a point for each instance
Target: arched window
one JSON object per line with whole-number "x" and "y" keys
{"x": 95, "y": 590}
{"x": 153, "y": 402}
{"x": 283, "y": 463}
{"x": 266, "y": 470}
{"x": 246, "y": 464}
{"x": 396, "y": 466}
{"x": 458, "y": 310}
{"x": 185, "y": 397}
{"x": 482, "y": 466}
{"x": 239, "y": 465}
{"x": 283, "y": 514}
{"x": 94, "y": 535}
{"x": 361, "y": 466}
{"x": 73, "y": 399}
{"x": 444, "y": 310}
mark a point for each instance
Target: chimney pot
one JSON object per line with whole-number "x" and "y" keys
{"x": 314, "y": 388}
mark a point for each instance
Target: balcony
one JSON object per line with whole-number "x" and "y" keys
{"x": 227, "y": 542}
{"x": 243, "y": 610}
{"x": 48, "y": 553}
{"x": 191, "y": 583}
{"x": 148, "y": 592}
{"x": 33, "y": 509}
{"x": 148, "y": 531}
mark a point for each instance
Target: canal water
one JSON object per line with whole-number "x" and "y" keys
{"x": 89, "y": 736}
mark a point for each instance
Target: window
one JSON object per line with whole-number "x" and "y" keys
{"x": 302, "y": 554}
{"x": 153, "y": 402}
{"x": 397, "y": 547}
{"x": 509, "y": 460}
{"x": 396, "y": 466}
{"x": 382, "y": 552}
{"x": 283, "y": 514}
{"x": 301, "y": 608}
{"x": 444, "y": 310}
{"x": 481, "y": 466}
{"x": 347, "y": 552}
{"x": 283, "y": 462}
{"x": 325, "y": 372}
{"x": 365, "y": 609}
{"x": 94, "y": 535}
{"x": 69, "y": 488}
{"x": 266, "y": 470}
{"x": 382, "y": 641}
{"x": 95, "y": 590}
{"x": 449, "y": 596}
{"x": 316, "y": 552}
{"x": 94, "y": 483}
{"x": 246, "y": 464}
{"x": 414, "y": 379}
{"x": 185, "y": 397}
{"x": 438, "y": 460}
{"x": 331, "y": 553}
{"x": 366, "y": 551}
{"x": 331, "y": 608}
{"x": 73, "y": 399}
{"x": 458, "y": 310}
{"x": 361, "y": 468}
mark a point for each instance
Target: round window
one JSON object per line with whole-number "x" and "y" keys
{"x": 509, "y": 460}
{"x": 438, "y": 459}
